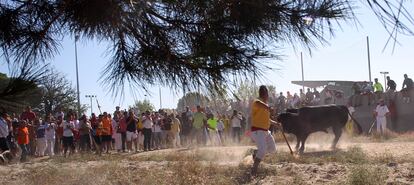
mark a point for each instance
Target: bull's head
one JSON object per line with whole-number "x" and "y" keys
{"x": 289, "y": 121}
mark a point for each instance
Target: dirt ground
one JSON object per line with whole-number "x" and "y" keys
{"x": 355, "y": 162}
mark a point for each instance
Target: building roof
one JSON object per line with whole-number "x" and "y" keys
{"x": 315, "y": 84}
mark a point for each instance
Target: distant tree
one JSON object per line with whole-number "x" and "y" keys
{"x": 245, "y": 90}
{"x": 182, "y": 42}
{"x": 192, "y": 99}
{"x": 142, "y": 106}
{"x": 57, "y": 92}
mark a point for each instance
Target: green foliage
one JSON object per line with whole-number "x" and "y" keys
{"x": 176, "y": 43}
{"x": 143, "y": 106}
{"x": 192, "y": 99}
{"x": 186, "y": 43}
{"x": 21, "y": 89}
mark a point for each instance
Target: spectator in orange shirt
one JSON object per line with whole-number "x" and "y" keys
{"x": 97, "y": 132}
{"x": 106, "y": 136}
{"x": 23, "y": 139}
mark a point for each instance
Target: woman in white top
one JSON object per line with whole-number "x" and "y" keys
{"x": 68, "y": 128}
{"x": 147, "y": 130}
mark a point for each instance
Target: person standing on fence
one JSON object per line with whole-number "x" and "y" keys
{"x": 391, "y": 85}
{"x": 378, "y": 88}
{"x": 406, "y": 88}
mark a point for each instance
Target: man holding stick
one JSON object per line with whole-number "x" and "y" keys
{"x": 260, "y": 128}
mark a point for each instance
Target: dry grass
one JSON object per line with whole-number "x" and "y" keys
{"x": 190, "y": 172}
{"x": 353, "y": 155}
{"x": 367, "y": 175}
{"x": 201, "y": 166}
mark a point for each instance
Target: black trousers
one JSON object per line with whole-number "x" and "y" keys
{"x": 236, "y": 134}
{"x": 4, "y": 145}
{"x": 147, "y": 138}
{"x": 123, "y": 140}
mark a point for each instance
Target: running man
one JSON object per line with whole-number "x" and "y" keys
{"x": 260, "y": 128}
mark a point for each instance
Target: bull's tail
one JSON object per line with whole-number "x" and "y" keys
{"x": 356, "y": 122}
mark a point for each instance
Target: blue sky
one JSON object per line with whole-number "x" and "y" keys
{"x": 344, "y": 58}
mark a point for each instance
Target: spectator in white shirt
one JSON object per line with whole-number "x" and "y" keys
{"x": 220, "y": 129}
{"x": 50, "y": 134}
{"x": 68, "y": 141}
{"x": 381, "y": 112}
{"x": 147, "y": 130}
{"x": 41, "y": 142}
{"x": 236, "y": 126}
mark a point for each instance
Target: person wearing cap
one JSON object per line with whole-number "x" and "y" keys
{"x": 381, "y": 112}
{"x": 260, "y": 128}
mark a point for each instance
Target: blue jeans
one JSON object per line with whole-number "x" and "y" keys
{"x": 24, "y": 152}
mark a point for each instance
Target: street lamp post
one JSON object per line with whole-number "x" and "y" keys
{"x": 303, "y": 75}
{"x": 385, "y": 78}
{"x": 77, "y": 73}
{"x": 90, "y": 97}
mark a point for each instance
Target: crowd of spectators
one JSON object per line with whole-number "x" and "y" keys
{"x": 64, "y": 134}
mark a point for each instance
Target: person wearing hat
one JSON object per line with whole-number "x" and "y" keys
{"x": 381, "y": 112}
